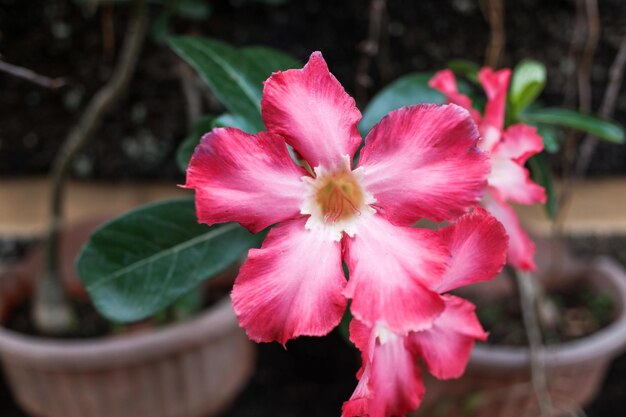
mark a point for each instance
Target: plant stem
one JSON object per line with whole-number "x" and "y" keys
{"x": 51, "y": 311}
{"x": 32, "y": 76}
{"x": 528, "y": 292}
{"x": 369, "y": 49}
{"x": 493, "y": 10}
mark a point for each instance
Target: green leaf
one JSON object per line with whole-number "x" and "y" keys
{"x": 141, "y": 262}
{"x": 464, "y": 68}
{"x": 230, "y": 120}
{"x": 234, "y": 76}
{"x": 529, "y": 78}
{"x": 185, "y": 150}
{"x": 192, "y": 9}
{"x": 550, "y": 137}
{"x": 405, "y": 91}
{"x": 607, "y": 130}
{"x": 542, "y": 175}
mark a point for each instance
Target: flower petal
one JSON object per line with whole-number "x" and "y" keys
{"x": 391, "y": 271}
{"x": 519, "y": 142}
{"x": 512, "y": 181}
{"x": 311, "y": 109}
{"x": 496, "y": 84}
{"x": 390, "y": 383}
{"x": 445, "y": 82}
{"x": 446, "y": 347}
{"x": 245, "y": 178}
{"x": 422, "y": 161}
{"x": 478, "y": 245}
{"x": 291, "y": 286}
{"x": 521, "y": 249}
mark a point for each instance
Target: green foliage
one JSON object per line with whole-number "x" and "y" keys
{"x": 464, "y": 68}
{"x": 141, "y": 262}
{"x": 405, "y": 91}
{"x": 550, "y": 137}
{"x": 603, "y": 129}
{"x": 529, "y": 79}
{"x": 202, "y": 126}
{"x": 235, "y": 76}
{"x": 541, "y": 174}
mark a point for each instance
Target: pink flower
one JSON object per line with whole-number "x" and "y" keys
{"x": 390, "y": 382}
{"x": 509, "y": 149}
{"x": 418, "y": 162}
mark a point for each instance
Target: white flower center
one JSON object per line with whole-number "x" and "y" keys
{"x": 336, "y": 200}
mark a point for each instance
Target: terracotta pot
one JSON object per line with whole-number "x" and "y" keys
{"x": 497, "y": 382}
{"x": 191, "y": 369}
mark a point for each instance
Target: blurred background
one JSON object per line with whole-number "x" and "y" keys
{"x": 73, "y": 44}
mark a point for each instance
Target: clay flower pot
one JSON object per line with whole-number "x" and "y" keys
{"x": 497, "y": 382}
{"x": 190, "y": 369}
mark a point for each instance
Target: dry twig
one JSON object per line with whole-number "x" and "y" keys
{"x": 32, "y": 76}
{"x": 50, "y": 309}
{"x": 494, "y": 13}
{"x": 616, "y": 76}
{"x": 369, "y": 49}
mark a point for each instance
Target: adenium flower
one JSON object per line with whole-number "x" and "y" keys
{"x": 418, "y": 162}
{"x": 509, "y": 148}
{"x": 390, "y": 382}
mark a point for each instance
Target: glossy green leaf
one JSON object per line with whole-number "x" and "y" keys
{"x": 607, "y": 130}
{"x": 235, "y": 76}
{"x": 185, "y": 150}
{"x": 464, "y": 68}
{"x": 141, "y": 262}
{"x": 405, "y": 91}
{"x": 542, "y": 175}
{"x": 529, "y": 79}
{"x": 202, "y": 126}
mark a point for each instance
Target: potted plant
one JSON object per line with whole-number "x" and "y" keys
{"x": 159, "y": 367}
{"x": 215, "y": 170}
{"x": 504, "y": 380}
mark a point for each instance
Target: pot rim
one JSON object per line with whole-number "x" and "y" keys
{"x": 210, "y": 325}
{"x": 600, "y": 346}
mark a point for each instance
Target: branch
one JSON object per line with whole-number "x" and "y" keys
{"x": 494, "y": 13}
{"x": 616, "y": 76}
{"x": 51, "y": 311}
{"x": 32, "y": 76}
{"x": 369, "y": 49}
{"x": 590, "y": 8}
{"x": 528, "y": 298}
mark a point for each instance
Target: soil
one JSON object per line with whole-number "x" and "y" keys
{"x": 138, "y": 139}
{"x": 572, "y": 314}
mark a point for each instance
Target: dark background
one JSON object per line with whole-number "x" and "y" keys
{"x": 58, "y": 38}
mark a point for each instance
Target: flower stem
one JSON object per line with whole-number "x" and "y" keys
{"x": 51, "y": 311}
{"x": 529, "y": 296}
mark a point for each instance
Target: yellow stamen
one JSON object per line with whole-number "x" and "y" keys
{"x": 339, "y": 197}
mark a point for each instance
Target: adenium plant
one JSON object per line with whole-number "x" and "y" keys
{"x": 509, "y": 149}
{"x": 418, "y": 162}
{"x": 342, "y": 242}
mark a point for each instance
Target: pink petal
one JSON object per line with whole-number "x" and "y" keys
{"x": 445, "y": 82}
{"x": 478, "y": 244}
{"x": 512, "y": 182}
{"x": 291, "y": 286}
{"x": 311, "y": 109}
{"x": 496, "y": 85}
{"x": 391, "y": 271}
{"x": 446, "y": 347}
{"x": 521, "y": 249}
{"x": 422, "y": 161}
{"x": 519, "y": 142}
{"x": 390, "y": 383}
{"x": 245, "y": 178}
